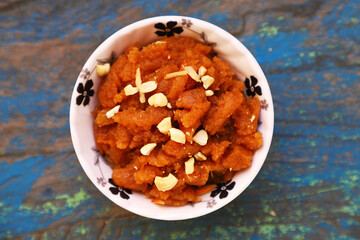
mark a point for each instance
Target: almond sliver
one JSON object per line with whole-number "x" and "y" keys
{"x": 165, "y": 125}
{"x": 102, "y": 70}
{"x": 138, "y": 85}
{"x": 158, "y": 100}
{"x": 190, "y": 70}
{"x": 207, "y": 81}
{"x": 200, "y": 156}
{"x": 146, "y": 150}
{"x": 148, "y": 87}
{"x": 201, "y": 137}
{"x": 130, "y": 90}
{"x": 177, "y": 135}
{"x": 252, "y": 118}
{"x": 189, "y": 166}
{"x": 209, "y": 93}
{"x": 202, "y": 70}
{"x": 111, "y": 112}
{"x": 159, "y": 42}
{"x": 138, "y": 78}
{"x": 175, "y": 74}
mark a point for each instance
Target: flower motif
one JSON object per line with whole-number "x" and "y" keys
{"x": 252, "y": 89}
{"x": 85, "y": 73}
{"x": 85, "y": 92}
{"x": 169, "y": 29}
{"x": 223, "y": 189}
{"x": 211, "y": 203}
{"x": 263, "y": 104}
{"x": 101, "y": 181}
{"x": 186, "y": 22}
{"x": 116, "y": 189}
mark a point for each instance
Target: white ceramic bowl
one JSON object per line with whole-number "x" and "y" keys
{"x": 84, "y": 100}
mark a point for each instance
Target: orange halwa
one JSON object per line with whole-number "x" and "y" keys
{"x": 229, "y": 118}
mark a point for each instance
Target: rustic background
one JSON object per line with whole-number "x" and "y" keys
{"x": 309, "y": 187}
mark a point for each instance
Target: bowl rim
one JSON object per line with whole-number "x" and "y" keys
{"x": 237, "y": 44}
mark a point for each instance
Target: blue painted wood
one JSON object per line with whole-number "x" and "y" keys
{"x": 309, "y": 185}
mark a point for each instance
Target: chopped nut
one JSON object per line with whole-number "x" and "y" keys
{"x": 142, "y": 97}
{"x": 111, "y": 112}
{"x": 202, "y": 70}
{"x": 136, "y": 168}
{"x": 207, "y": 81}
{"x": 200, "y": 156}
{"x": 209, "y": 93}
{"x": 148, "y": 87}
{"x": 146, "y": 149}
{"x": 102, "y": 69}
{"x": 190, "y": 70}
{"x": 165, "y": 183}
{"x": 175, "y": 74}
{"x": 130, "y": 90}
{"x": 159, "y": 42}
{"x": 201, "y": 137}
{"x": 169, "y": 105}
{"x": 169, "y": 56}
{"x": 177, "y": 135}
{"x": 165, "y": 125}
{"x": 189, "y": 166}
{"x": 138, "y": 78}
{"x": 158, "y": 100}
{"x": 138, "y": 85}
{"x": 252, "y": 118}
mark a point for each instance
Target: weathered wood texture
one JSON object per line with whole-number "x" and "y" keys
{"x": 309, "y": 186}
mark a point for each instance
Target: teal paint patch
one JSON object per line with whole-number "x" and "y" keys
{"x": 267, "y": 230}
{"x": 83, "y": 230}
{"x": 312, "y": 54}
{"x": 312, "y": 143}
{"x": 76, "y": 200}
{"x": 312, "y": 166}
{"x": 354, "y": 20}
{"x": 268, "y": 31}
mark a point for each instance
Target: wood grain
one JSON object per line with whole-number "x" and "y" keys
{"x": 309, "y": 186}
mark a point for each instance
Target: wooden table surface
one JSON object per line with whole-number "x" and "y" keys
{"x": 309, "y": 187}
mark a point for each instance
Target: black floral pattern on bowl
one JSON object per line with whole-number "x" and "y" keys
{"x": 168, "y": 30}
{"x": 113, "y": 57}
{"x": 85, "y": 92}
{"x": 251, "y": 88}
{"x": 124, "y": 193}
{"x": 223, "y": 189}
